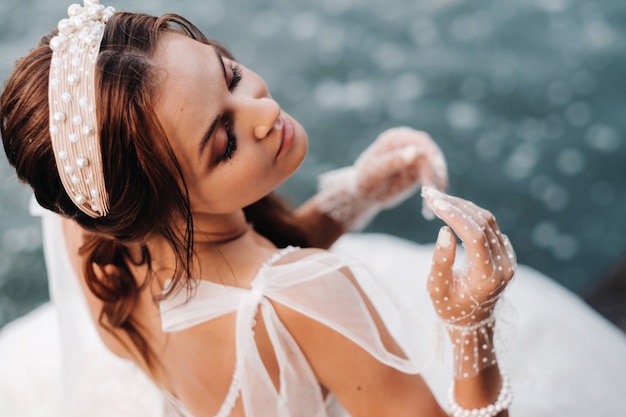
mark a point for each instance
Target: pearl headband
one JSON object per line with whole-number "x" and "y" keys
{"x": 72, "y": 103}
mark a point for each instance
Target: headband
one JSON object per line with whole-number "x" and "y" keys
{"x": 72, "y": 102}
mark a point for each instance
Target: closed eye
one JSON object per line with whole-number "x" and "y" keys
{"x": 231, "y": 143}
{"x": 237, "y": 75}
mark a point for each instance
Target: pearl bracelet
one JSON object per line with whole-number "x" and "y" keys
{"x": 505, "y": 398}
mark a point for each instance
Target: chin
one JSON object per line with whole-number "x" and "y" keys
{"x": 300, "y": 148}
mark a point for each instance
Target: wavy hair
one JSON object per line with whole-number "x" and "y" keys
{"x": 146, "y": 198}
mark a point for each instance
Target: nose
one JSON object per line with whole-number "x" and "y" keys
{"x": 262, "y": 114}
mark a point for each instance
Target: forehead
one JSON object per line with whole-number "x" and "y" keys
{"x": 181, "y": 58}
{"x": 189, "y": 86}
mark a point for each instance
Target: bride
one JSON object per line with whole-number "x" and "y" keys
{"x": 182, "y": 286}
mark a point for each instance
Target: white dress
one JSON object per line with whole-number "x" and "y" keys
{"x": 563, "y": 358}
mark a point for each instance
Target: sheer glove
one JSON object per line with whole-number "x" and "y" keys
{"x": 388, "y": 172}
{"x": 465, "y": 298}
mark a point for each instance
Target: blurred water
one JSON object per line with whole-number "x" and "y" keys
{"x": 524, "y": 97}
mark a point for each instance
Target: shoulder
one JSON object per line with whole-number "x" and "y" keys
{"x": 345, "y": 341}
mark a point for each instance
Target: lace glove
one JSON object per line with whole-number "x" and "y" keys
{"x": 385, "y": 174}
{"x": 465, "y": 299}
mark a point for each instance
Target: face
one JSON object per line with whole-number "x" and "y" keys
{"x": 233, "y": 141}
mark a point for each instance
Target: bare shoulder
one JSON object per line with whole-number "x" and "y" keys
{"x": 361, "y": 382}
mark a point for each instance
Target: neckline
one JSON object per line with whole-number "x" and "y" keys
{"x": 269, "y": 262}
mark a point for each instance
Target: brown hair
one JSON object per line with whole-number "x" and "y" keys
{"x": 146, "y": 198}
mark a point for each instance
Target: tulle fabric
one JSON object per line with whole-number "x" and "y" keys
{"x": 315, "y": 286}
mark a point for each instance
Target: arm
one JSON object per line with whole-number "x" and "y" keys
{"x": 384, "y": 175}
{"x": 367, "y": 387}
{"x": 321, "y": 229}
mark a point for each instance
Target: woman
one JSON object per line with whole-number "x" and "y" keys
{"x": 162, "y": 154}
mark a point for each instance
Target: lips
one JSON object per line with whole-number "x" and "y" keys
{"x": 287, "y": 134}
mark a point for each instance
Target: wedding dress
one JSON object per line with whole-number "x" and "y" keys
{"x": 562, "y": 357}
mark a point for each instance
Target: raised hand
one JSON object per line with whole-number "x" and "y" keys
{"x": 399, "y": 160}
{"x": 468, "y": 295}
{"x": 465, "y": 297}
{"x": 384, "y": 175}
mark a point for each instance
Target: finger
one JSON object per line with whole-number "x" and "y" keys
{"x": 510, "y": 252}
{"x": 396, "y": 160}
{"x": 489, "y": 217}
{"x": 450, "y": 210}
{"x": 476, "y": 241}
{"x": 498, "y": 268}
{"x": 481, "y": 218}
{"x": 389, "y": 174}
{"x": 502, "y": 251}
{"x": 485, "y": 220}
{"x": 433, "y": 168}
{"x": 441, "y": 271}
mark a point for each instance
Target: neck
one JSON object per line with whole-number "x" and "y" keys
{"x": 219, "y": 228}
{"x": 210, "y": 232}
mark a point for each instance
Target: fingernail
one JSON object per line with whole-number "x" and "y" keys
{"x": 444, "y": 239}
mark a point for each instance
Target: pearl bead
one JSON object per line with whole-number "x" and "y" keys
{"x": 97, "y": 30}
{"x": 94, "y": 11}
{"x": 73, "y": 79}
{"x": 54, "y": 130}
{"x": 74, "y": 10}
{"x": 59, "y": 117}
{"x": 73, "y": 137}
{"x": 88, "y": 130}
{"x": 94, "y": 193}
{"x": 57, "y": 43}
{"x": 54, "y": 82}
{"x": 65, "y": 26}
{"x": 75, "y": 180}
{"x": 82, "y": 162}
{"x": 83, "y": 102}
{"x": 66, "y": 97}
{"x": 79, "y": 21}
{"x": 107, "y": 13}
{"x": 80, "y": 199}
{"x": 62, "y": 155}
{"x": 503, "y": 402}
{"x": 69, "y": 169}
{"x": 77, "y": 119}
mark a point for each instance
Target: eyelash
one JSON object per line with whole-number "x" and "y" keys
{"x": 231, "y": 139}
{"x": 231, "y": 143}
{"x": 237, "y": 75}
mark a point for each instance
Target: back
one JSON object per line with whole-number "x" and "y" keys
{"x": 228, "y": 349}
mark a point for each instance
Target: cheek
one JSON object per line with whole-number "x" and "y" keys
{"x": 235, "y": 187}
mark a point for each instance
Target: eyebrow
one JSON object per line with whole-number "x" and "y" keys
{"x": 207, "y": 135}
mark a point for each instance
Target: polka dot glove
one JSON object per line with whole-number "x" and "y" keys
{"x": 465, "y": 298}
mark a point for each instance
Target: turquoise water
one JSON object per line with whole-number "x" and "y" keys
{"x": 526, "y": 98}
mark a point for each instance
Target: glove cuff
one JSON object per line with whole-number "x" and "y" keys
{"x": 340, "y": 199}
